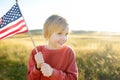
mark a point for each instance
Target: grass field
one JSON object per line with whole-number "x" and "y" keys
{"x": 97, "y": 56}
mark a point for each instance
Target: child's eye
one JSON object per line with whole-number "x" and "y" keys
{"x": 66, "y": 34}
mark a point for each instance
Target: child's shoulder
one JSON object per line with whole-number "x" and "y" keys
{"x": 40, "y": 47}
{"x": 70, "y": 50}
{"x": 68, "y": 47}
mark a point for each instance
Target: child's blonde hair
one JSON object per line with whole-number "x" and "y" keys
{"x": 54, "y": 23}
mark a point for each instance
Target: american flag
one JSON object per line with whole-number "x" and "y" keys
{"x": 12, "y": 23}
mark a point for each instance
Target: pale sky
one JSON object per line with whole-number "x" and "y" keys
{"x": 95, "y": 15}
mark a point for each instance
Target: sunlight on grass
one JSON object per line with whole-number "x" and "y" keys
{"x": 98, "y": 56}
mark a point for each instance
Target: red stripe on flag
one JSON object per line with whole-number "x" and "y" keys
{"x": 19, "y": 30}
{"x": 11, "y": 27}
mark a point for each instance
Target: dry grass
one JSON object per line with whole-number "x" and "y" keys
{"x": 98, "y": 56}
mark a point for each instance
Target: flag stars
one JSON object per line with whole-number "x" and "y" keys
{"x": 11, "y": 15}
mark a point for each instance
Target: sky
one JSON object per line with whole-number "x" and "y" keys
{"x": 89, "y": 15}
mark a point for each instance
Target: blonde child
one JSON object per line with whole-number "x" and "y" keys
{"x": 55, "y": 60}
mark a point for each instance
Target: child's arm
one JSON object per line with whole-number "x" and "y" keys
{"x": 71, "y": 72}
{"x": 33, "y": 73}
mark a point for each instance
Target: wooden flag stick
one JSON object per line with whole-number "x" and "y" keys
{"x": 29, "y": 31}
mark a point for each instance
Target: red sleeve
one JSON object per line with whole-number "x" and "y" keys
{"x": 71, "y": 72}
{"x": 33, "y": 73}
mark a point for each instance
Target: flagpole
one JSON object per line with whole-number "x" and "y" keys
{"x": 28, "y": 30}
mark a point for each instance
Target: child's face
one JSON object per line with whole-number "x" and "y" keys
{"x": 57, "y": 39}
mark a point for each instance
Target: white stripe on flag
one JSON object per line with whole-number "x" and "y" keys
{"x": 16, "y": 28}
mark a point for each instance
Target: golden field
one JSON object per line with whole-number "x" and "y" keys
{"x": 97, "y": 55}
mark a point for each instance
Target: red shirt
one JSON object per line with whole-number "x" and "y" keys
{"x": 61, "y": 60}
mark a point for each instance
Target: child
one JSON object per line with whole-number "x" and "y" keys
{"x": 55, "y": 61}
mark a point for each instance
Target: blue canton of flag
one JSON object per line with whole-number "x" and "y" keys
{"x": 12, "y": 23}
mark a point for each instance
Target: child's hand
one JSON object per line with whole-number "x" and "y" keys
{"x": 46, "y": 69}
{"x": 39, "y": 59}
